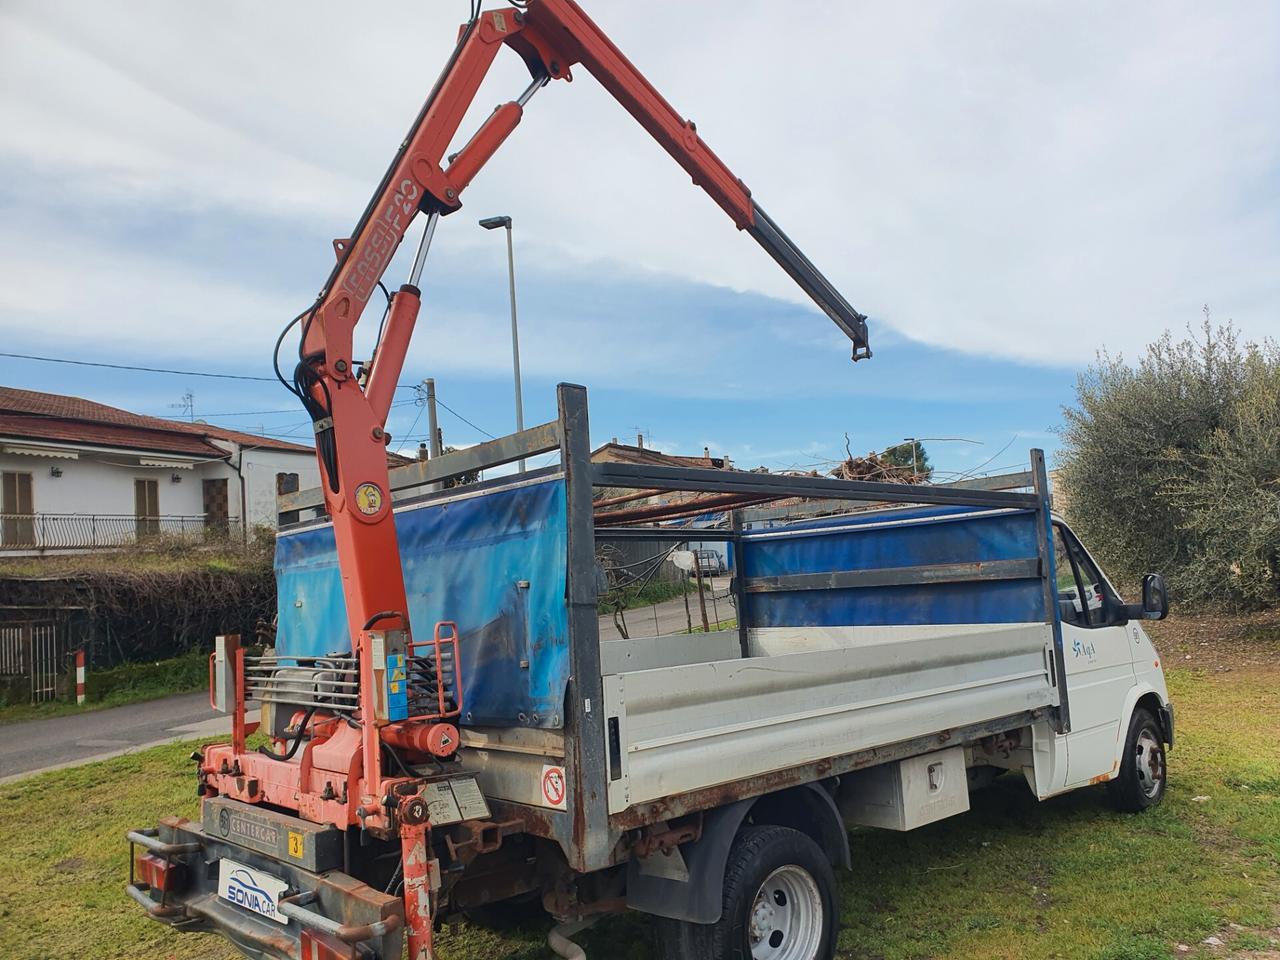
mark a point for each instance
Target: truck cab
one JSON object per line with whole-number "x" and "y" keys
{"x": 1112, "y": 669}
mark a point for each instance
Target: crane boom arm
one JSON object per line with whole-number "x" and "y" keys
{"x": 679, "y": 137}
{"x": 551, "y": 36}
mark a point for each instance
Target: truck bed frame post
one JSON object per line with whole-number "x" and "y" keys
{"x": 739, "y": 582}
{"x": 592, "y": 839}
{"x": 1044, "y": 540}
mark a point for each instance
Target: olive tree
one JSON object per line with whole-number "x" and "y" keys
{"x": 1170, "y": 464}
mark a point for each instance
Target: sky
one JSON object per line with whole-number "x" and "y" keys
{"x": 1003, "y": 187}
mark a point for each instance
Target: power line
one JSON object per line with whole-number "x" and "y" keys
{"x": 974, "y": 471}
{"x": 141, "y": 369}
{"x": 126, "y": 366}
{"x": 259, "y": 413}
{"x": 220, "y": 376}
{"x": 464, "y": 419}
{"x": 408, "y": 434}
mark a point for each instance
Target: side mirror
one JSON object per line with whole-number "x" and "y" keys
{"x": 1155, "y": 598}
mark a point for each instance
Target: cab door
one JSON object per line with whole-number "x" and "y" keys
{"x": 1099, "y": 663}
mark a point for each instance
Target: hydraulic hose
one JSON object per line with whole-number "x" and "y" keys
{"x": 297, "y": 741}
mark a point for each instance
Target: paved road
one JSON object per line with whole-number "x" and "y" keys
{"x": 661, "y": 619}
{"x": 65, "y": 741}
{"x": 35, "y": 745}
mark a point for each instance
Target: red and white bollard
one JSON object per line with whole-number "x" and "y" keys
{"x": 80, "y": 677}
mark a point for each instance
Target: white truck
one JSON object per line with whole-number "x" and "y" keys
{"x": 883, "y": 662}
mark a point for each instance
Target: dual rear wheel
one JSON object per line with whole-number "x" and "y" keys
{"x": 779, "y": 903}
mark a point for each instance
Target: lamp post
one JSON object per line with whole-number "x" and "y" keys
{"x": 493, "y": 223}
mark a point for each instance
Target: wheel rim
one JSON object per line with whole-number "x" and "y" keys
{"x": 786, "y": 917}
{"x": 1149, "y": 763}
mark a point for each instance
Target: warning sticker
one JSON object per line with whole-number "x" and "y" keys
{"x": 553, "y": 788}
{"x": 442, "y": 808}
{"x": 471, "y": 801}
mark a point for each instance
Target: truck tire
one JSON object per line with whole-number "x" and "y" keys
{"x": 779, "y": 904}
{"x": 1143, "y": 772}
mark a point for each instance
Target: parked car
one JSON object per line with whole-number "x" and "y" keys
{"x": 710, "y": 563}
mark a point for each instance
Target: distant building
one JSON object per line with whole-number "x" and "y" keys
{"x": 78, "y": 475}
{"x": 638, "y": 453}
{"x": 615, "y": 452}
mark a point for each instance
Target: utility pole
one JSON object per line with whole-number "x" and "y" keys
{"x": 702, "y": 597}
{"x": 431, "y": 423}
{"x": 492, "y": 223}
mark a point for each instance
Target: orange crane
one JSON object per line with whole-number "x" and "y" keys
{"x": 364, "y": 717}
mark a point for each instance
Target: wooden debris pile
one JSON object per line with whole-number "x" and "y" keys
{"x": 875, "y": 467}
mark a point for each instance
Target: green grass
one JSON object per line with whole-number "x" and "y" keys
{"x": 657, "y": 591}
{"x": 162, "y": 555}
{"x": 1013, "y": 878}
{"x": 716, "y": 625}
{"x": 127, "y": 683}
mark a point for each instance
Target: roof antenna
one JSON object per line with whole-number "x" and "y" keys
{"x": 187, "y": 405}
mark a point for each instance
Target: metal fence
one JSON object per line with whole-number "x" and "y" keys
{"x": 88, "y": 531}
{"x": 34, "y": 648}
{"x": 13, "y": 650}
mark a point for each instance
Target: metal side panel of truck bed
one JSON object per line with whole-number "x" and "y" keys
{"x": 688, "y": 727}
{"x": 864, "y": 633}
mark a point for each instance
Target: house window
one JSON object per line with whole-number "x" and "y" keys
{"x": 17, "y": 521}
{"x": 146, "y": 507}
{"x": 287, "y": 483}
{"x": 216, "y": 509}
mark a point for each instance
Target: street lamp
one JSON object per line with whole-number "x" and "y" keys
{"x": 493, "y": 223}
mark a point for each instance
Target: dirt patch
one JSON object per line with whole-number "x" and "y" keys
{"x": 1219, "y": 642}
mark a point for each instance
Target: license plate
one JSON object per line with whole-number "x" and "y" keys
{"x": 251, "y": 889}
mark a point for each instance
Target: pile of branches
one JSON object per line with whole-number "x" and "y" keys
{"x": 875, "y": 467}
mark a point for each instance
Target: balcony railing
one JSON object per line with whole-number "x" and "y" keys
{"x": 90, "y": 531}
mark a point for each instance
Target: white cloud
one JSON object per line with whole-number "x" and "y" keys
{"x": 78, "y": 293}
{"x": 1020, "y": 180}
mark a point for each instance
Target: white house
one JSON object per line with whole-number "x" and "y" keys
{"x": 75, "y": 475}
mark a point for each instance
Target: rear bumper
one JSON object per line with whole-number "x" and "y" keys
{"x": 347, "y": 916}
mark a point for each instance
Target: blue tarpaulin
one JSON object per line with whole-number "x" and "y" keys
{"x": 905, "y": 538}
{"x": 464, "y": 560}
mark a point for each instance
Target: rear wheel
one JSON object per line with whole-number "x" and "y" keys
{"x": 1143, "y": 772}
{"x": 779, "y": 904}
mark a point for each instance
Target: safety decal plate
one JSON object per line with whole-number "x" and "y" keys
{"x": 553, "y": 787}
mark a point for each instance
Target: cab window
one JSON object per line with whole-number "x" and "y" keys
{"x": 1083, "y": 597}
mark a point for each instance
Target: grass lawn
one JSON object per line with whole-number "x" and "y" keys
{"x": 1013, "y": 878}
